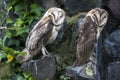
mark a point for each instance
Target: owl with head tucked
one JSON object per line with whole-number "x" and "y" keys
{"x": 88, "y": 33}
{"x": 43, "y": 33}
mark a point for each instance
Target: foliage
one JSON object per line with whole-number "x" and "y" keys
{"x": 62, "y": 77}
{"x": 12, "y": 40}
{"x": 22, "y": 13}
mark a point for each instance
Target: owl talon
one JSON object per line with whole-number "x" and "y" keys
{"x": 44, "y": 51}
{"x": 44, "y": 56}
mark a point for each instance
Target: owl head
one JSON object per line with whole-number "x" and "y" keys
{"x": 99, "y": 16}
{"x": 57, "y": 15}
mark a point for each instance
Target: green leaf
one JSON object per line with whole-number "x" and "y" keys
{"x": 27, "y": 74}
{"x": 29, "y": 19}
{"x": 39, "y": 11}
{"x": 25, "y": 13}
{"x": 2, "y": 55}
{"x": 7, "y": 35}
{"x": 20, "y": 78}
{"x": 11, "y": 51}
{"x": 36, "y": 9}
{"x": 7, "y": 49}
{"x": 62, "y": 77}
{"x": 13, "y": 42}
{"x": 21, "y": 31}
{"x": 31, "y": 78}
{"x": 19, "y": 8}
{"x": 9, "y": 21}
{"x": 18, "y": 52}
{"x": 33, "y": 5}
{"x": 9, "y": 8}
{"x": 18, "y": 22}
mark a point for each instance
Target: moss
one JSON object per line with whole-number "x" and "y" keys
{"x": 73, "y": 19}
{"x": 5, "y": 70}
{"x": 64, "y": 55}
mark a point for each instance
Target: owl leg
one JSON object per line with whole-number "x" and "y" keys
{"x": 44, "y": 51}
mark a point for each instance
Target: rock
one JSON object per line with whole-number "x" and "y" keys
{"x": 107, "y": 44}
{"x": 46, "y": 3}
{"x": 4, "y": 70}
{"x": 114, "y": 7}
{"x": 74, "y": 6}
{"x": 112, "y": 44}
{"x": 87, "y": 72}
{"x": 113, "y": 71}
{"x": 41, "y": 69}
{"x": 108, "y": 50}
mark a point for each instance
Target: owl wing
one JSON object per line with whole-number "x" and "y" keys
{"x": 86, "y": 38}
{"x": 39, "y": 35}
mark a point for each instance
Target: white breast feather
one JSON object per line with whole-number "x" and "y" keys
{"x": 54, "y": 34}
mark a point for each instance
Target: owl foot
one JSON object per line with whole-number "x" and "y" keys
{"x": 45, "y": 56}
{"x": 44, "y": 51}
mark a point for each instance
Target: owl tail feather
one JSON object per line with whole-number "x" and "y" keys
{"x": 23, "y": 58}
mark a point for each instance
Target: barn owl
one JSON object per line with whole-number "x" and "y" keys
{"x": 43, "y": 33}
{"x": 88, "y": 33}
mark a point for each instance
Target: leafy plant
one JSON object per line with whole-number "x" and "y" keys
{"x": 63, "y": 77}
{"x": 12, "y": 39}
{"x": 2, "y": 55}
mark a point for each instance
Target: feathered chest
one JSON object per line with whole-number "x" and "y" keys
{"x": 86, "y": 31}
{"x": 54, "y": 34}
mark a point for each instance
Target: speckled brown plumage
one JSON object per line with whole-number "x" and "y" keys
{"x": 43, "y": 33}
{"x": 88, "y": 33}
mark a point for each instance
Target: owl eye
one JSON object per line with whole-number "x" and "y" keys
{"x": 61, "y": 15}
{"x": 53, "y": 15}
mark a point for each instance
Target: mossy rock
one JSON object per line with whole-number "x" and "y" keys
{"x": 5, "y": 70}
